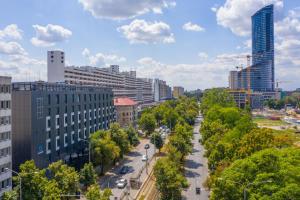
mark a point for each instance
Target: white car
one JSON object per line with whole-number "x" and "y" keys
{"x": 144, "y": 158}
{"x": 121, "y": 183}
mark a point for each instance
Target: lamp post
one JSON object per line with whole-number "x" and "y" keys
{"x": 20, "y": 180}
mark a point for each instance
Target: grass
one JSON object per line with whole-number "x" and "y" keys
{"x": 268, "y": 122}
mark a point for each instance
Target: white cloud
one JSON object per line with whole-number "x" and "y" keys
{"x": 189, "y": 26}
{"x": 101, "y": 59}
{"x": 11, "y": 48}
{"x": 49, "y": 35}
{"x": 236, "y": 14}
{"x": 203, "y": 55}
{"x": 11, "y": 32}
{"x": 124, "y": 9}
{"x": 141, "y": 31}
{"x": 210, "y": 73}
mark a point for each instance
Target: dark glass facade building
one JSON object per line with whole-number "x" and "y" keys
{"x": 53, "y": 121}
{"x": 262, "y": 77}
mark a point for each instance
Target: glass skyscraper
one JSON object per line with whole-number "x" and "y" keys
{"x": 262, "y": 70}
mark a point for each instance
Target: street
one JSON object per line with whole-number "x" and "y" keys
{"x": 196, "y": 168}
{"x": 135, "y": 163}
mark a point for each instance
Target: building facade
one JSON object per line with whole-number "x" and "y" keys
{"x": 233, "y": 80}
{"x": 263, "y": 49}
{"x": 5, "y": 134}
{"x": 55, "y": 66}
{"x": 178, "y": 91}
{"x": 126, "y": 111}
{"x": 161, "y": 90}
{"x": 51, "y": 121}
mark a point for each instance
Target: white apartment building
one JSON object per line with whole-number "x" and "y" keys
{"x": 123, "y": 84}
{"x": 5, "y": 134}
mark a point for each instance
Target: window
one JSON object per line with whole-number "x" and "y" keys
{"x": 57, "y": 143}
{"x": 79, "y": 117}
{"x": 57, "y": 99}
{"x": 85, "y": 133}
{"x": 48, "y": 123}
{"x": 66, "y": 98}
{"x": 48, "y": 146}
{"x": 79, "y": 135}
{"x": 49, "y": 99}
{"x": 90, "y": 114}
{"x": 65, "y": 140}
{"x": 57, "y": 121}
{"x": 65, "y": 119}
{"x": 39, "y": 107}
{"x": 72, "y": 118}
{"x": 72, "y": 137}
{"x": 5, "y": 136}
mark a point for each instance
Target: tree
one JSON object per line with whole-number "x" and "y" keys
{"x": 104, "y": 151}
{"x": 132, "y": 136}
{"x": 51, "y": 191}
{"x": 170, "y": 118}
{"x": 169, "y": 180}
{"x": 147, "y": 123}
{"x": 120, "y": 137}
{"x": 94, "y": 193}
{"x": 269, "y": 174}
{"x": 66, "y": 177}
{"x": 10, "y": 195}
{"x": 157, "y": 140}
{"x": 88, "y": 175}
{"x": 33, "y": 180}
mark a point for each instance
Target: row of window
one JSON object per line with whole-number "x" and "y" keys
{"x": 5, "y": 89}
{"x": 4, "y": 105}
{"x": 5, "y": 136}
{"x": 5, "y": 152}
{"x": 5, "y": 120}
{"x": 79, "y": 117}
{"x": 74, "y": 137}
{"x": 78, "y": 98}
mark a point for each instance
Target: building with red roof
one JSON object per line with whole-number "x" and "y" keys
{"x": 126, "y": 111}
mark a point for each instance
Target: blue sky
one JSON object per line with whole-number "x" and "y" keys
{"x": 190, "y": 43}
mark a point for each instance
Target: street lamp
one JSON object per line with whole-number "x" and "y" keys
{"x": 20, "y": 180}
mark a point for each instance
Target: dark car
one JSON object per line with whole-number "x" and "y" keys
{"x": 124, "y": 170}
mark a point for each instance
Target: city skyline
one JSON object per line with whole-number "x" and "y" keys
{"x": 150, "y": 38}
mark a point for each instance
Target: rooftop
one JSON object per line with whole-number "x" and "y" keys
{"x": 124, "y": 101}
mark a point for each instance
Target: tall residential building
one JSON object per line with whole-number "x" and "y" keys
{"x": 161, "y": 90}
{"x": 233, "y": 80}
{"x": 5, "y": 134}
{"x": 178, "y": 91}
{"x": 263, "y": 49}
{"x": 51, "y": 121}
{"x": 55, "y": 66}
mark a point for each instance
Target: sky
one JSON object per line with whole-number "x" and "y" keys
{"x": 192, "y": 43}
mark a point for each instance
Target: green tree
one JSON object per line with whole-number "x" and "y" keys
{"x": 268, "y": 174}
{"x": 66, "y": 177}
{"x": 169, "y": 180}
{"x": 88, "y": 175}
{"x": 10, "y": 195}
{"x": 104, "y": 150}
{"x": 94, "y": 193}
{"x": 170, "y": 118}
{"x": 120, "y": 137}
{"x": 147, "y": 123}
{"x": 132, "y": 136}
{"x": 51, "y": 191}
{"x": 157, "y": 140}
{"x": 33, "y": 180}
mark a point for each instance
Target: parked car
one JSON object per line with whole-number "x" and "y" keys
{"x": 124, "y": 170}
{"x": 144, "y": 158}
{"x": 121, "y": 183}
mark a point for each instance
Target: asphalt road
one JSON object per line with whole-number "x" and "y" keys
{"x": 135, "y": 163}
{"x": 196, "y": 168}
